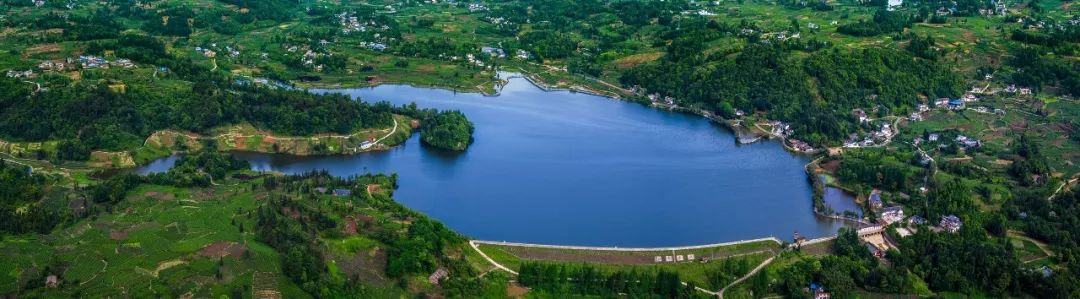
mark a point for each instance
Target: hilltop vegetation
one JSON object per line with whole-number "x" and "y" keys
{"x": 448, "y": 130}
{"x": 815, "y": 94}
{"x": 19, "y": 191}
{"x": 206, "y": 222}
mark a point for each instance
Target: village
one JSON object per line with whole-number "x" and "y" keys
{"x": 84, "y": 62}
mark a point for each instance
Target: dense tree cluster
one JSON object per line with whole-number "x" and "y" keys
{"x": 1029, "y": 165}
{"x": 814, "y": 94}
{"x": 1037, "y": 70}
{"x": 875, "y": 169}
{"x": 946, "y": 262}
{"x": 549, "y": 44}
{"x": 276, "y": 10}
{"x": 884, "y": 21}
{"x": 448, "y": 130}
{"x": 89, "y": 115}
{"x": 195, "y": 170}
{"x": 20, "y": 196}
{"x": 924, "y": 47}
{"x": 842, "y": 274}
{"x": 291, "y": 227}
{"x": 565, "y": 280}
{"x": 435, "y": 48}
{"x": 1056, "y": 221}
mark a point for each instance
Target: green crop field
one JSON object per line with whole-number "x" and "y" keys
{"x": 155, "y": 243}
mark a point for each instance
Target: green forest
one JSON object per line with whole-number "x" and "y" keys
{"x": 449, "y": 130}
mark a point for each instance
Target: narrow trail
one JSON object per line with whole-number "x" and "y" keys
{"x": 238, "y": 135}
{"x": 389, "y": 134}
{"x": 103, "y": 268}
{"x": 699, "y": 289}
{"x": 493, "y": 262}
{"x": 35, "y": 83}
{"x": 1042, "y": 245}
{"x": 11, "y": 159}
{"x": 747, "y": 276}
{"x": 1063, "y": 184}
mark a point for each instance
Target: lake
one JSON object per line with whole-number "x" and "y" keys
{"x": 575, "y": 169}
{"x": 842, "y": 202}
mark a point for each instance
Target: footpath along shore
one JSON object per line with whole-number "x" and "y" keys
{"x": 501, "y": 243}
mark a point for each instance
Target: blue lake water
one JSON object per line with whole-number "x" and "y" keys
{"x": 841, "y": 201}
{"x": 576, "y": 169}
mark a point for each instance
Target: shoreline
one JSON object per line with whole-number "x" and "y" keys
{"x": 743, "y": 134}
{"x": 168, "y": 150}
{"x": 629, "y": 249}
{"x": 818, "y": 187}
{"x": 740, "y": 132}
{"x": 329, "y": 87}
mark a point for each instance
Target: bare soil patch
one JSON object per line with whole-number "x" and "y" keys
{"x": 43, "y": 48}
{"x": 118, "y": 235}
{"x": 1062, "y": 127}
{"x": 427, "y": 68}
{"x": 104, "y": 159}
{"x": 820, "y": 249}
{"x": 223, "y": 249}
{"x": 1001, "y": 163}
{"x": 831, "y": 166}
{"x": 372, "y": 188}
{"x": 240, "y": 142}
{"x": 637, "y": 59}
{"x": 294, "y": 214}
{"x": 515, "y": 290}
{"x": 1019, "y": 125}
{"x": 366, "y": 265}
{"x": 166, "y": 265}
{"x": 159, "y": 195}
{"x": 350, "y": 226}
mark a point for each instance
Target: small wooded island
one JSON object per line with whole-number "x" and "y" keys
{"x": 448, "y": 130}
